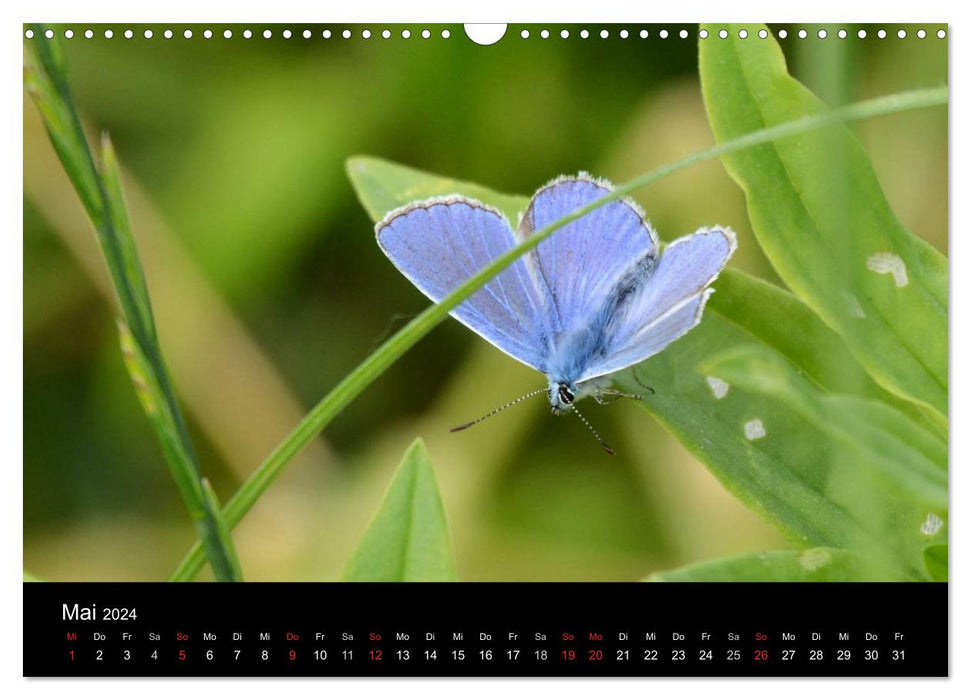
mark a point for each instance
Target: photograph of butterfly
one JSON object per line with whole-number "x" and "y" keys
{"x": 596, "y": 299}
{"x": 280, "y": 280}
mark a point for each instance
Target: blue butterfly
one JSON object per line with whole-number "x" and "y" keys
{"x": 594, "y": 298}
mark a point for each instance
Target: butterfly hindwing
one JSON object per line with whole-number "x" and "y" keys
{"x": 668, "y": 304}
{"x": 440, "y": 243}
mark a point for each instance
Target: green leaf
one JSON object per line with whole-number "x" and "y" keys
{"x": 764, "y": 451}
{"x": 788, "y": 475}
{"x": 935, "y": 559}
{"x": 904, "y": 453}
{"x": 819, "y": 213}
{"x": 383, "y": 186}
{"x": 408, "y": 539}
{"x": 818, "y": 564}
{"x": 99, "y": 189}
{"x": 890, "y": 472}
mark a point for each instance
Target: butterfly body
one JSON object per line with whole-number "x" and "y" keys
{"x": 578, "y": 349}
{"x": 595, "y": 297}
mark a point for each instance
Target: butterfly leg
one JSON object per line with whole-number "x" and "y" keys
{"x": 608, "y": 396}
{"x": 638, "y": 380}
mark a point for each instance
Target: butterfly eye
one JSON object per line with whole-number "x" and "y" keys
{"x": 566, "y": 396}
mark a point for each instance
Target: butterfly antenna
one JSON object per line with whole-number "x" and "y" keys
{"x": 494, "y": 411}
{"x": 603, "y": 444}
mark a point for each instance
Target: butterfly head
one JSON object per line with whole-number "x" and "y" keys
{"x": 562, "y": 396}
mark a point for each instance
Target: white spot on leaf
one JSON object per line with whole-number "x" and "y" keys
{"x": 719, "y": 387}
{"x": 885, "y": 263}
{"x": 853, "y": 304}
{"x": 931, "y": 525}
{"x": 813, "y": 559}
{"x": 754, "y": 430}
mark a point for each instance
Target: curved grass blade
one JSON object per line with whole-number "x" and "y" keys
{"x": 365, "y": 373}
{"x": 819, "y": 214}
{"x": 408, "y": 538}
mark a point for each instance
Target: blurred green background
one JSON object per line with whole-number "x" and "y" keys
{"x": 269, "y": 288}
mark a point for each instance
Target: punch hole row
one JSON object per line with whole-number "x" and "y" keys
{"x": 724, "y": 34}
{"x": 445, "y": 34}
{"x": 245, "y": 34}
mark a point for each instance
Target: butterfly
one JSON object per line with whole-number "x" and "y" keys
{"x": 596, "y": 297}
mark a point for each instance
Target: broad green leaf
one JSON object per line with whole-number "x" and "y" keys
{"x": 903, "y": 451}
{"x": 784, "y": 323}
{"x": 788, "y": 474}
{"x": 890, "y": 471}
{"x": 818, "y": 564}
{"x": 408, "y": 539}
{"x": 819, "y": 214}
{"x": 935, "y": 559}
{"x": 765, "y": 452}
{"x": 383, "y": 186}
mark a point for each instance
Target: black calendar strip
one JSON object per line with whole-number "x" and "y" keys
{"x": 472, "y": 629}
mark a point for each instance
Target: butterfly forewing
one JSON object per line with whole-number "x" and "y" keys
{"x": 440, "y": 243}
{"x": 577, "y": 267}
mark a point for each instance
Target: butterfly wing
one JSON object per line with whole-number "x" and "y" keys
{"x": 668, "y": 304}
{"x": 577, "y": 267}
{"x": 442, "y": 242}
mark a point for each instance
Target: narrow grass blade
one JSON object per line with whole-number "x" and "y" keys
{"x": 212, "y": 501}
{"x": 99, "y": 189}
{"x": 203, "y": 504}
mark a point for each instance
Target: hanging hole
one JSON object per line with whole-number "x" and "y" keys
{"x": 485, "y": 34}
